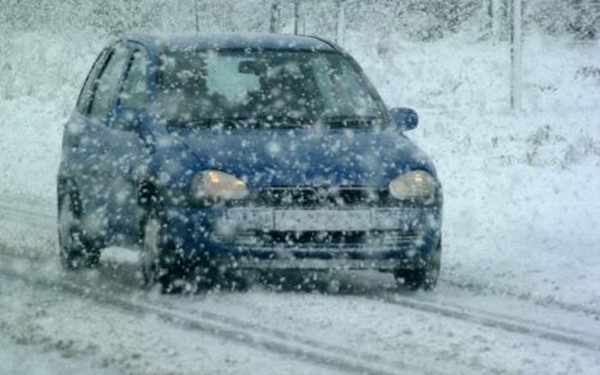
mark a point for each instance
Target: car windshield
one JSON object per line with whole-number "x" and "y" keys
{"x": 263, "y": 88}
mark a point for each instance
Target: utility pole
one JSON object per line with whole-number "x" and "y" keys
{"x": 516, "y": 56}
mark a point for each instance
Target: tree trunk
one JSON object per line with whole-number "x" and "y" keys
{"x": 516, "y": 55}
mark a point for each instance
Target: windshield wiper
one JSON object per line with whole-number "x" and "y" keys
{"x": 254, "y": 122}
{"x": 279, "y": 121}
{"x": 208, "y": 122}
{"x": 347, "y": 121}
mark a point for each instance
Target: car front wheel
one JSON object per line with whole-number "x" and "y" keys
{"x": 159, "y": 262}
{"x": 150, "y": 252}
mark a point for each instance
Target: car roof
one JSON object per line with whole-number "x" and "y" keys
{"x": 287, "y": 42}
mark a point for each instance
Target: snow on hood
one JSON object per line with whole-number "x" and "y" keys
{"x": 304, "y": 157}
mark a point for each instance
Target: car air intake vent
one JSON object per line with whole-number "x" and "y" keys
{"x": 314, "y": 240}
{"x": 307, "y": 197}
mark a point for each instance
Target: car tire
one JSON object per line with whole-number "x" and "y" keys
{"x": 158, "y": 260}
{"x": 150, "y": 249}
{"x": 426, "y": 277}
{"x": 76, "y": 250}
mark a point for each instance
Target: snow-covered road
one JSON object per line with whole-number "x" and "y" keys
{"x": 103, "y": 317}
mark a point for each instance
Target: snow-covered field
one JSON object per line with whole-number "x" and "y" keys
{"x": 522, "y": 190}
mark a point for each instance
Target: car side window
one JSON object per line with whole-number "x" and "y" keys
{"x": 83, "y": 102}
{"x": 106, "y": 85}
{"x": 135, "y": 87}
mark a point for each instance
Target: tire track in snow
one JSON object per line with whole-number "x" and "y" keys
{"x": 13, "y": 209}
{"x": 233, "y": 329}
{"x": 37, "y": 219}
{"x": 538, "y": 301}
{"x": 505, "y": 322}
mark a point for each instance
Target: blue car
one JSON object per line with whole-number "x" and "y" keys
{"x": 232, "y": 152}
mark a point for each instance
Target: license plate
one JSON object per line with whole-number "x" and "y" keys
{"x": 311, "y": 220}
{"x": 249, "y": 219}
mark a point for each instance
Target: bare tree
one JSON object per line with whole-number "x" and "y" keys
{"x": 498, "y": 16}
{"x": 275, "y": 18}
{"x": 516, "y": 53}
{"x": 340, "y": 21}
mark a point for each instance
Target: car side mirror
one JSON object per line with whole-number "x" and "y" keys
{"x": 404, "y": 118}
{"x": 126, "y": 119}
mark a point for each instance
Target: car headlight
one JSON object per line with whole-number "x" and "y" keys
{"x": 414, "y": 185}
{"x": 213, "y": 184}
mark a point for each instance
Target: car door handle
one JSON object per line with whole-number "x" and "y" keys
{"x": 75, "y": 143}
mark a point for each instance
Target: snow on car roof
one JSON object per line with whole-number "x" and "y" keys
{"x": 233, "y": 41}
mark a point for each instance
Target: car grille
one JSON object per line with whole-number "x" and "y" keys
{"x": 315, "y": 240}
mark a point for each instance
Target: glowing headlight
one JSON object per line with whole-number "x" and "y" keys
{"x": 216, "y": 184}
{"x": 413, "y": 185}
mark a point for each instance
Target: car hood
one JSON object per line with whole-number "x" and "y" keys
{"x": 295, "y": 157}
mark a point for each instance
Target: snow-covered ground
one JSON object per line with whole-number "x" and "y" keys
{"x": 521, "y": 189}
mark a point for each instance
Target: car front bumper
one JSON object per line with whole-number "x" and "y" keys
{"x": 259, "y": 237}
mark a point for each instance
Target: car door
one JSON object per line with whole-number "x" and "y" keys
{"x": 129, "y": 153}
{"x": 88, "y": 139}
